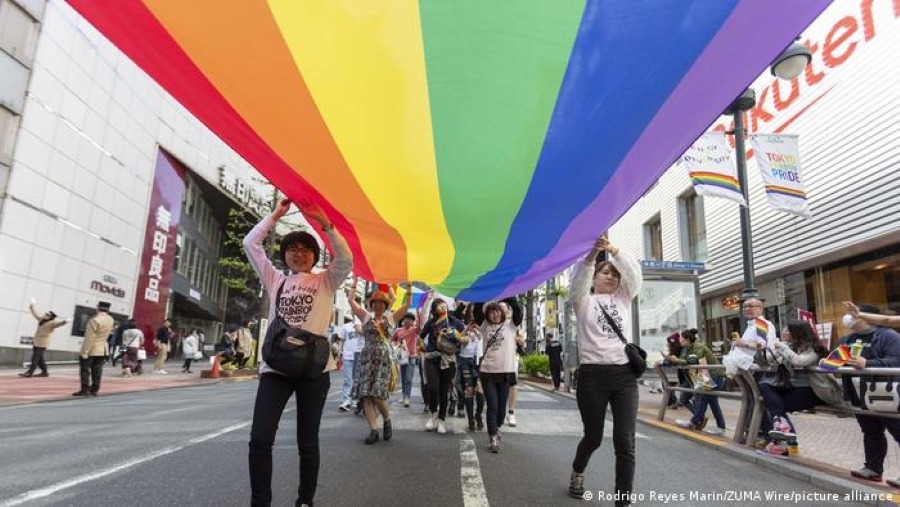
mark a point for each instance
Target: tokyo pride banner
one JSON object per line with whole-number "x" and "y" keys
{"x": 778, "y": 158}
{"x": 710, "y": 165}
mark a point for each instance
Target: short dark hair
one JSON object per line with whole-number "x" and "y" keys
{"x": 493, "y": 305}
{"x": 298, "y": 238}
{"x": 690, "y": 334}
{"x": 409, "y": 315}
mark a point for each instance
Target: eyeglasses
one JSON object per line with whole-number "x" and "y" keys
{"x": 300, "y": 249}
{"x": 751, "y": 306}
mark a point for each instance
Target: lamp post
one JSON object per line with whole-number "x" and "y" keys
{"x": 788, "y": 65}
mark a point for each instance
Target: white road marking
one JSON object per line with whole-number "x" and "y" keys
{"x": 473, "y": 492}
{"x": 55, "y": 488}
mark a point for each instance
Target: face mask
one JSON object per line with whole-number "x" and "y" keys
{"x": 849, "y": 321}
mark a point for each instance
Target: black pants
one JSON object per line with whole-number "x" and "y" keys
{"x": 422, "y": 384}
{"x": 91, "y": 371}
{"x": 439, "y": 382}
{"x": 781, "y": 401}
{"x": 271, "y": 397}
{"x": 187, "y": 364}
{"x": 496, "y": 394}
{"x": 874, "y": 442}
{"x": 556, "y": 373}
{"x": 616, "y": 386}
{"x": 37, "y": 360}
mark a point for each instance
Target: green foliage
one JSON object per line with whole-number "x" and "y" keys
{"x": 536, "y": 364}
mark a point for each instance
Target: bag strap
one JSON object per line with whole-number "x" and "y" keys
{"x": 278, "y": 296}
{"x": 612, "y": 323}
{"x": 494, "y": 337}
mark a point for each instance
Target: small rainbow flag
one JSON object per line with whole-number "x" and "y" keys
{"x": 762, "y": 330}
{"x": 837, "y": 358}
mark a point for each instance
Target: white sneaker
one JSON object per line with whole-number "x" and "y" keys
{"x": 511, "y": 420}
{"x": 441, "y": 429}
{"x": 429, "y": 425}
{"x": 344, "y": 407}
{"x": 681, "y": 423}
{"x": 164, "y": 372}
{"x": 716, "y": 431}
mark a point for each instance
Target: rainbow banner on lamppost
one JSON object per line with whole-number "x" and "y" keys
{"x": 778, "y": 159}
{"x": 710, "y": 165}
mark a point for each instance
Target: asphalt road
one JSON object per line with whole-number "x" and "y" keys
{"x": 188, "y": 446}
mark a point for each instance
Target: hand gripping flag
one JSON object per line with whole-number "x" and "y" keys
{"x": 837, "y": 358}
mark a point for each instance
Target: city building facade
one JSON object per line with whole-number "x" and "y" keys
{"x": 112, "y": 190}
{"x": 843, "y": 107}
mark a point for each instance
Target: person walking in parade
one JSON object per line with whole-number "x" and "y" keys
{"x": 302, "y": 299}
{"x": 442, "y": 339}
{"x": 353, "y": 343}
{"x": 499, "y": 331}
{"x": 602, "y": 294}
{"x": 47, "y": 323}
{"x": 554, "y": 353}
{"x": 407, "y": 336}
{"x": 94, "y": 350}
{"x": 374, "y": 369}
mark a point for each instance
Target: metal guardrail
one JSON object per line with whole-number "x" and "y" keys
{"x": 752, "y": 404}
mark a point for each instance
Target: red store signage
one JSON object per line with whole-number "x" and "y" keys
{"x": 158, "y": 256}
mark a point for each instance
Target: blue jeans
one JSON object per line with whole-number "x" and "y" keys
{"x": 406, "y": 376}
{"x": 712, "y": 402}
{"x": 348, "y": 380}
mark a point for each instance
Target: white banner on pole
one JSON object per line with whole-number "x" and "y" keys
{"x": 778, "y": 158}
{"x": 710, "y": 165}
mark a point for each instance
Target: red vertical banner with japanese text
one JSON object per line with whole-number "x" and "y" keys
{"x": 158, "y": 255}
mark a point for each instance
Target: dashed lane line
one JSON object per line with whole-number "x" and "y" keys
{"x": 473, "y": 492}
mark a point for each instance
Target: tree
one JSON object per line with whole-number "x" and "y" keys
{"x": 243, "y": 289}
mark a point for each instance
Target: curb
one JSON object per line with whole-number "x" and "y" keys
{"x": 815, "y": 476}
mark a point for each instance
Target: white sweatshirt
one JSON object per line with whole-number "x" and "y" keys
{"x": 307, "y": 298}
{"x": 597, "y": 341}
{"x": 499, "y": 356}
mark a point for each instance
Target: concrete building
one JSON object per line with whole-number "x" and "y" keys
{"x": 844, "y": 108}
{"x": 87, "y": 142}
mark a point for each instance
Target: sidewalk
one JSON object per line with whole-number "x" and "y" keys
{"x": 829, "y": 446}
{"x": 64, "y": 380}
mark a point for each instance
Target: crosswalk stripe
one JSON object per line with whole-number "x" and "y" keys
{"x": 473, "y": 491}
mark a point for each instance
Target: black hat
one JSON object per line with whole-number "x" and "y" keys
{"x": 103, "y": 306}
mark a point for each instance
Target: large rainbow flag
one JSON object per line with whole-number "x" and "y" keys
{"x": 477, "y": 146}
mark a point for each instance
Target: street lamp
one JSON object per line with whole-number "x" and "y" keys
{"x": 788, "y": 65}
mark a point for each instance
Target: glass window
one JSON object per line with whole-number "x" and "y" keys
{"x": 664, "y": 307}
{"x": 692, "y": 225}
{"x": 18, "y": 32}
{"x": 9, "y": 122}
{"x": 653, "y": 249}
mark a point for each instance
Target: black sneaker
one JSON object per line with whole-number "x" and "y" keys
{"x": 81, "y": 393}
{"x": 479, "y": 422}
{"x": 42, "y": 374}
{"x": 576, "y": 486}
{"x": 451, "y": 411}
{"x": 471, "y": 425}
{"x": 372, "y": 438}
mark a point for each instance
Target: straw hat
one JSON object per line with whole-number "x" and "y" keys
{"x": 378, "y": 296}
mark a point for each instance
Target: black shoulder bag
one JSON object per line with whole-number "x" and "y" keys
{"x": 294, "y": 352}
{"x": 637, "y": 358}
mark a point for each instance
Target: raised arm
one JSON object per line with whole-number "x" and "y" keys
{"x": 478, "y": 313}
{"x": 407, "y": 299}
{"x": 872, "y": 318}
{"x": 630, "y": 269}
{"x": 34, "y": 311}
{"x": 253, "y": 244}
{"x": 358, "y": 310}
{"x": 517, "y": 314}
